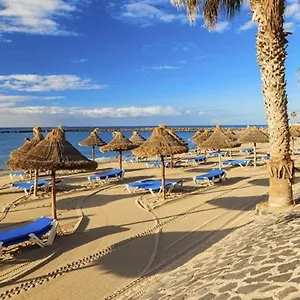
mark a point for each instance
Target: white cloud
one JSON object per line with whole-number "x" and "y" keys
{"x": 164, "y": 67}
{"x": 80, "y": 61}
{"x": 147, "y": 12}
{"x": 35, "y": 16}
{"x": 105, "y": 112}
{"x": 289, "y": 26}
{"x": 38, "y": 83}
{"x": 247, "y": 26}
{"x": 220, "y": 27}
{"x": 20, "y": 98}
{"x": 293, "y": 11}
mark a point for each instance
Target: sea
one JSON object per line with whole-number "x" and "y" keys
{"x": 10, "y": 140}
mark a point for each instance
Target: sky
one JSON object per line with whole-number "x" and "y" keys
{"x": 133, "y": 62}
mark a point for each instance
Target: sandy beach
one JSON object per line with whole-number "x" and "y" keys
{"x": 117, "y": 245}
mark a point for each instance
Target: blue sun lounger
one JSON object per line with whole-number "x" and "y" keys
{"x": 20, "y": 174}
{"x": 33, "y": 232}
{"x": 156, "y": 164}
{"x": 237, "y": 162}
{"x": 152, "y": 185}
{"x": 210, "y": 178}
{"x": 247, "y": 150}
{"x": 216, "y": 153}
{"x": 195, "y": 160}
{"x": 28, "y": 186}
{"x": 104, "y": 178}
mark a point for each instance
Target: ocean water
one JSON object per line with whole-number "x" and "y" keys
{"x": 11, "y": 141}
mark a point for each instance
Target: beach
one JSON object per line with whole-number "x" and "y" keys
{"x": 113, "y": 244}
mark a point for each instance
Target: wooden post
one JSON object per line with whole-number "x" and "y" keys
{"x": 30, "y": 174}
{"x": 35, "y": 187}
{"x": 254, "y": 149}
{"x": 120, "y": 159}
{"x": 163, "y": 176}
{"x": 93, "y": 152}
{"x": 53, "y": 195}
{"x": 172, "y": 161}
{"x": 220, "y": 161}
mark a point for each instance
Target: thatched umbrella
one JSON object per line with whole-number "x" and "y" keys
{"x": 253, "y": 135}
{"x": 201, "y": 138}
{"x": 93, "y": 140}
{"x": 179, "y": 139}
{"x": 161, "y": 143}
{"x": 294, "y": 132}
{"x": 22, "y": 151}
{"x": 55, "y": 153}
{"x": 119, "y": 143}
{"x": 231, "y": 134}
{"x": 136, "y": 139}
{"x": 196, "y": 135}
{"x": 218, "y": 140}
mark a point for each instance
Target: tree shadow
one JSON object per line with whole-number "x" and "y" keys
{"x": 199, "y": 170}
{"x": 260, "y": 182}
{"x": 125, "y": 262}
{"x": 29, "y": 253}
{"x": 237, "y": 203}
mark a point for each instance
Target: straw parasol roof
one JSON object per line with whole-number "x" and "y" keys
{"x": 93, "y": 140}
{"x": 29, "y": 144}
{"x": 253, "y": 135}
{"x": 202, "y": 137}
{"x": 231, "y": 134}
{"x": 294, "y": 131}
{"x": 196, "y": 135}
{"x": 54, "y": 153}
{"x": 118, "y": 143}
{"x": 161, "y": 142}
{"x": 137, "y": 139}
{"x": 172, "y": 132}
{"x": 218, "y": 140}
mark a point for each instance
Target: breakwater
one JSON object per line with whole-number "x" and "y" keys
{"x": 122, "y": 129}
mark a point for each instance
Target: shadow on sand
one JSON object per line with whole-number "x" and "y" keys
{"x": 124, "y": 261}
{"x": 237, "y": 203}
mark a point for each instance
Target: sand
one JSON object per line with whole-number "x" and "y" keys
{"x": 110, "y": 246}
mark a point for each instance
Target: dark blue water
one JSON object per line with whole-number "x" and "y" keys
{"x": 11, "y": 141}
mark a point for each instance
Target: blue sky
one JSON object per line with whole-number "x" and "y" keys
{"x": 134, "y": 62}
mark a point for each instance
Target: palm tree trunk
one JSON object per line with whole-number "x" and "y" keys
{"x": 163, "y": 176}
{"x": 271, "y": 54}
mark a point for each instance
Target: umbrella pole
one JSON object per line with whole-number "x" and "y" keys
{"x": 30, "y": 174}
{"x": 36, "y": 176}
{"x": 163, "y": 175}
{"x": 254, "y": 148}
{"x": 172, "y": 161}
{"x": 220, "y": 161}
{"x": 120, "y": 159}
{"x": 53, "y": 195}
{"x": 93, "y": 152}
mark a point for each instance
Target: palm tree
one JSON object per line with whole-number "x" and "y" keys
{"x": 271, "y": 46}
{"x": 293, "y": 115}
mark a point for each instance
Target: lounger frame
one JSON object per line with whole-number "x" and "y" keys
{"x": 107, "y": 179}
{"x": 36, "y": 240}
{"x": 209, "y": 182}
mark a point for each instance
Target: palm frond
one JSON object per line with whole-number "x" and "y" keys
{"x": 211, "y": 9}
